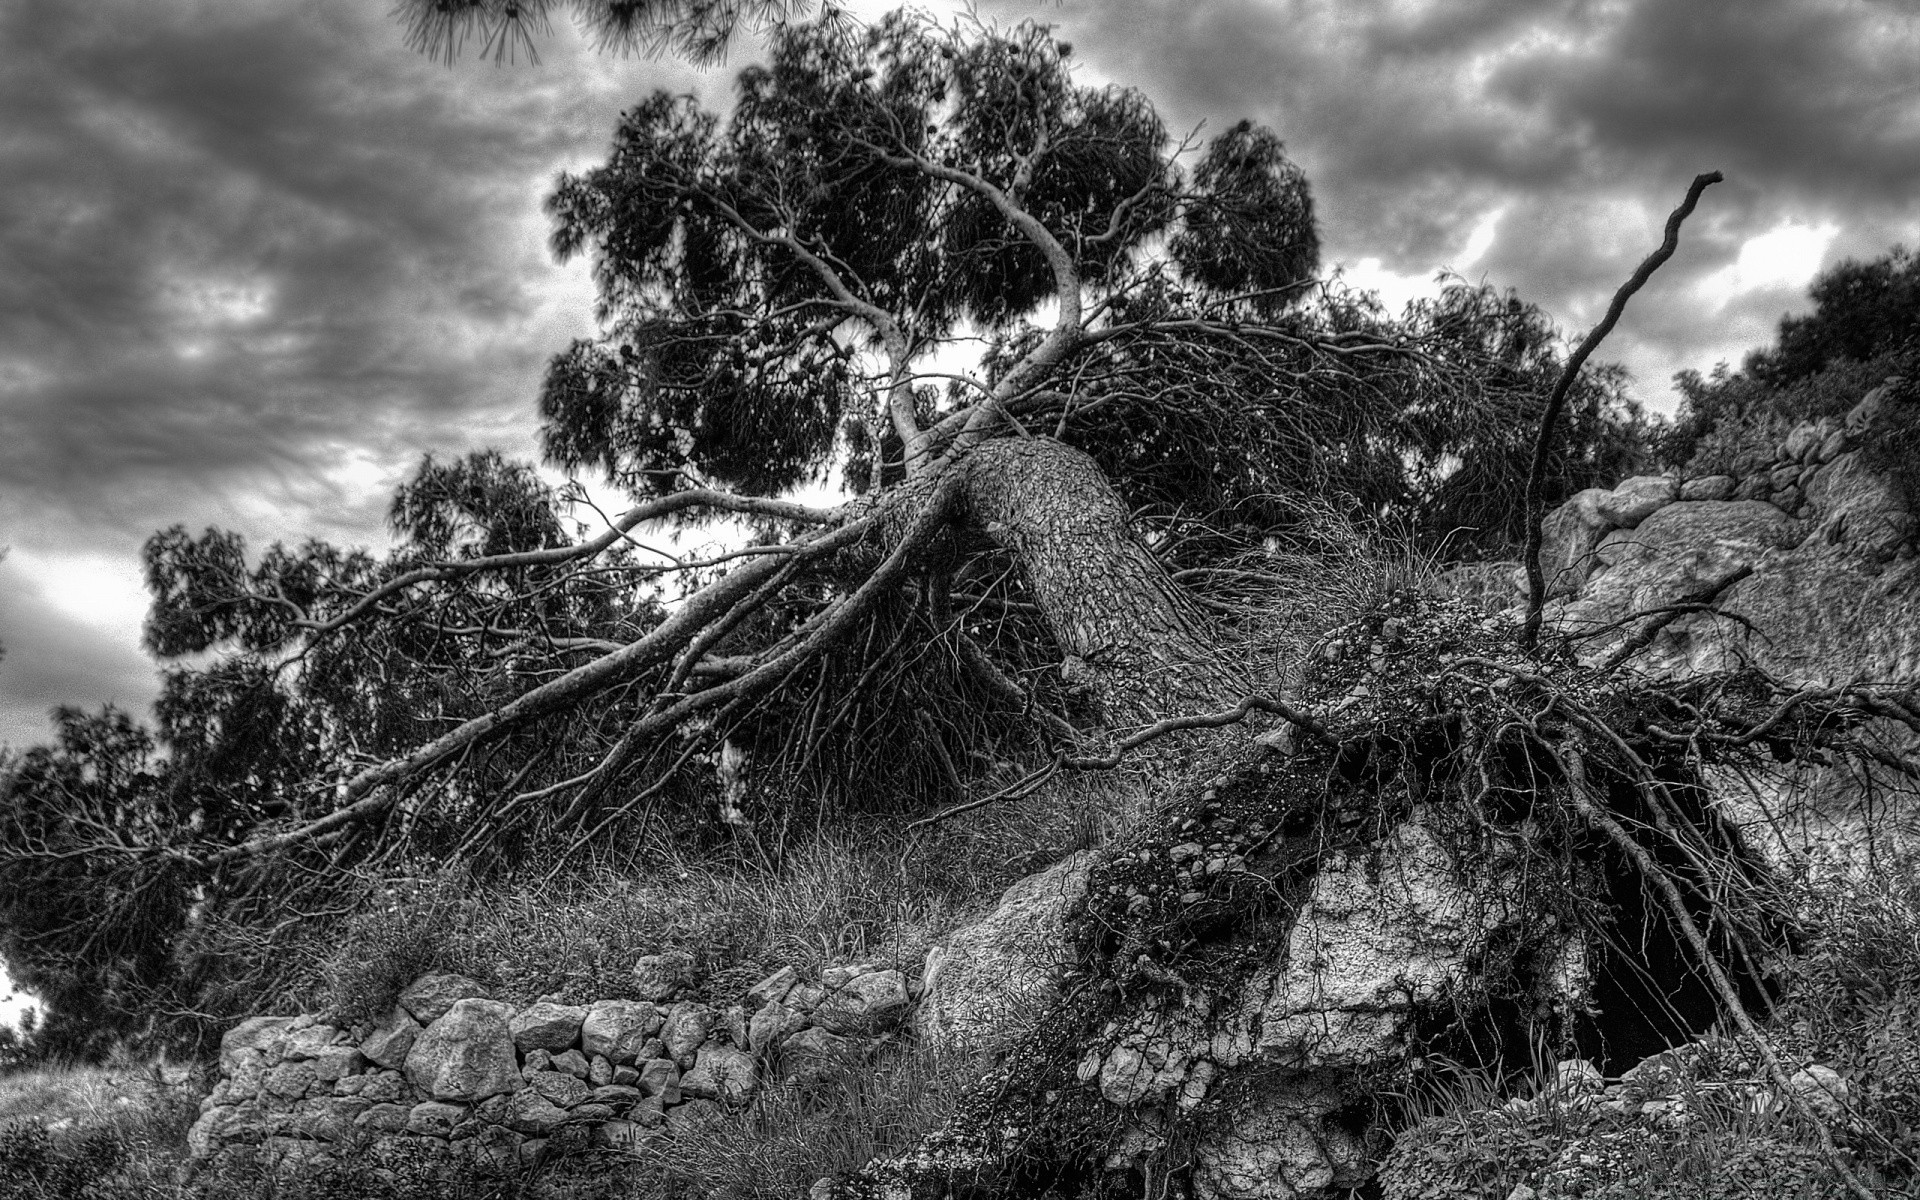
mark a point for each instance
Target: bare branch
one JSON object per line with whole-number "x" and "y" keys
{"x": 1536, "y": 580}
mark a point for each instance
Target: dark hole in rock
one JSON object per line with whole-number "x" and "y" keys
{"x": 1649, "y": 988}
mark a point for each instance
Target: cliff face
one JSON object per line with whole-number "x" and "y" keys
{"x": 1834, "y": 589}
{"x": 1821, "y": 549}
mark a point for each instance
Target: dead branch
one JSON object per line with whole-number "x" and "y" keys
{"x": 1536, "y": 581}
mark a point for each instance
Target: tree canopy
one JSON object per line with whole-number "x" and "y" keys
{"x": 1081, "y": 379}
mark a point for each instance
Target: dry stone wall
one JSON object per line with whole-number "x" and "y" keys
{"x": 451, "y": 1070}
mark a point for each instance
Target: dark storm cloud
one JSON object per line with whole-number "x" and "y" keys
{"x": 255, "y": 258}
{"x": 1583, "y": 121}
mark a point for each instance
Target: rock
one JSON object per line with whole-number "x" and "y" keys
{"x": 1801, "y": 443}
{"x": 530, "y": 1112}
{"x": 547, "y": 1026}
{"x": 1682, "y": 549}
{"x": 430, "y": 997}
{"x": 573, "y": 1063}
{"x": 536, "y": 1060}
{"x": 814, "y": 1056}
{"x": 1708, "y": 487}
{"x": 661, "y": 1077}
{"x": 773, "y": 988}
{"x": 291, "y": 1080}
{"x": 840, "y": 974}
{"x": 1783, "y": 476}
{"x": 391, "y": 1038}
{"x": 1279, "y": 1145}
{"x": 985, "y": 981}
{"x": 1860, "y": 510}
{"x": 1636, "y": 499}
{"x": 334, "y": 1062}
{"x": 433, "y": 1118}
{"x": 559, "y": 1087}
{"x": 616, "y": 1135}
{"x": 686, "y": 1027}
{"x": 650, "y": 1112}
{"x": 694, "y": 1117}
{"x": 1874, "y": 406}
{"x": 1568, "y": 536}
{"x": 619, "y": 1029}
{"x": 1823, "y": 1089}
{"x": 599, "y": 1071}
{"x": 1833, "y": 447}
{"x": 495, "y": 1148}
{"x": 772, "y": 1025}
{"x": 382, "y": 1086}
{"x": 333, "y": 1119}
{"x": 223, "y": 1125}
{"x": 663, "y": 976}
{"x": 733, "y": 1023}
{"x": 618, "y": 1095}
{"x": 466, "y": 1053}
{"x": 309, "y": 1041}
{"x": 625, "y": 1076}
{"x": 1577, "y": 1075}
{"x": 266, "y": 1036}
{"x": 722, "y": 1073}
{"x": 384, "y": 1118}
{"x": 865, "y": 1003}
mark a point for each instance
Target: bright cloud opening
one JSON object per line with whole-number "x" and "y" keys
{"x": 1787, "y": 256}
{"x": 106, "y": 593}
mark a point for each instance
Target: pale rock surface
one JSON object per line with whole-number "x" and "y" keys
{"x": 529, "y": 1112}
{"x": 687, "y": 1026}
{"x": 1281, "y": 1147}
{"x": 982, "y": 983}
{"x": 435, "y": 1118}
{"x": 571, "y": 1062}
{"x": 863, "y": 1003}
{"x": 772, "y": 1025}
{"x": 619, "y": 1029}
{"x": 390, "y": 1040}
{"x": 663, "y": 976}
{"x": 722, "y": 1073}
{"x": 262, "y": 1035}
{"x": 547, "y": 1026}
{"x": 1709, "y": 487}
{"x": 559, "y": 1087}
{"x": 465, "y": 1054}
{"x": 429, "y": 997}
{"x": 1636, "y": 499}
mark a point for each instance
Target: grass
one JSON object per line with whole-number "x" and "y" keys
{"x": 1852, "y": 1003}
{"x": 872, "y": 891}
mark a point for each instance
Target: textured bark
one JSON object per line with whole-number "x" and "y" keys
{"x": 1125, "y": 630}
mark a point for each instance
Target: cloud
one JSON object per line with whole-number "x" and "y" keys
{"x": 255, "y": 259}
{"x": 1581, "y": 120}
{"x": 65, "y": 630}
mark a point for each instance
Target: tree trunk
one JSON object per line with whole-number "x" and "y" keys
{"x": 1124, "y": 629}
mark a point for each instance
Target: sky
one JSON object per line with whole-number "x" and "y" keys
{"x": 257, "y": 256}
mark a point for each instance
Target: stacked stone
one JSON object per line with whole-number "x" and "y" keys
{"x": 487, "y": 1081}
{"x": 1812, "y": 467}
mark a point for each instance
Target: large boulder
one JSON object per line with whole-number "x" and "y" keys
{"x": 984, "y": 983}
{"x": 466, "y": 1054}
{"x": 1832, "y": 595}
